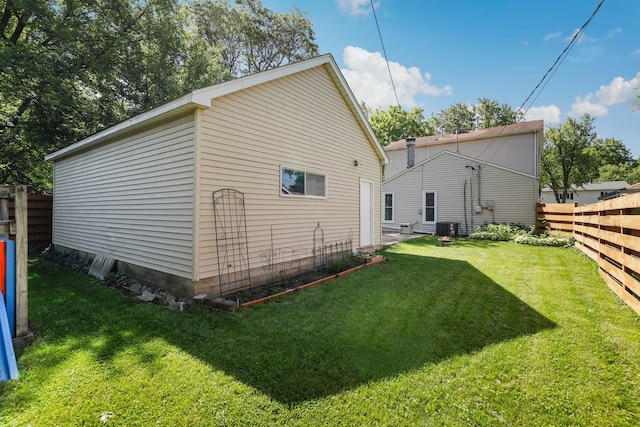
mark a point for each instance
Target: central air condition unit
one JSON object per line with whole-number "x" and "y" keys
{"x": 447, "y": 229}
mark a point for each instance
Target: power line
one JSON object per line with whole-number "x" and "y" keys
{"x": 384, "y": 51}
{"x": 550, "y": 72}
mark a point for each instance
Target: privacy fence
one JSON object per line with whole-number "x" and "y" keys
{"x": 609, "y": 233}
{"x": 40, "y": 209}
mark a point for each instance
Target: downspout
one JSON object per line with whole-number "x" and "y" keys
{"x": 479, "y": 199}
{"x": 464, "y": 207}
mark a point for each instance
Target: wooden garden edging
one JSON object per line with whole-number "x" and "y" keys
{"x": 609, "y": 233}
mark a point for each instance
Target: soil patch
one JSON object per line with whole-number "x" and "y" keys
{"x": 289, "y": 283}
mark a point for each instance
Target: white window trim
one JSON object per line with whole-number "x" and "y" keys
{"x": 393, "y": 207}
{"x": 435, "y": 206}
{"x": 295, "y": 196}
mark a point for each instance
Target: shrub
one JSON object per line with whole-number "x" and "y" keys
{"x": 521, "y": 235}
{"x": 544, "y": 240}
{"x": 502, "y": 232}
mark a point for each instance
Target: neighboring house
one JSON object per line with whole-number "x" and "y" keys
{"x": 283, "y": 152}
{"x": 454, "y": 183}
{"x": 584, "y": 194}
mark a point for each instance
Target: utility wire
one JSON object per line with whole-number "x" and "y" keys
{"x": 550, "y": 72}
{"x": 384, "y": 51}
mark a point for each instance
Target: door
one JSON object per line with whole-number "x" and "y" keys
{"x": 366, "y": 213}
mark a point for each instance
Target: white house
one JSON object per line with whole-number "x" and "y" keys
{"x": 206, "y": 193}
{"x": 585, "y": 194}
{"x": 453, "y": 183}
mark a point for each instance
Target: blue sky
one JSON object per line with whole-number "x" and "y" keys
{"x": 443, "y": 52}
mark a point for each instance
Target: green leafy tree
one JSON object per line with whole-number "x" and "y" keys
{"x": 491, "y": 113}
{"x": 488, "y": 113}
{"x": 69, "y": 69}
{"x": 396, "y": 123}
{"x": 458, "y": 117}
{"x": 251, "y": 37}
{"x": 612, "y": 160}
{"x": 566, "y": 160}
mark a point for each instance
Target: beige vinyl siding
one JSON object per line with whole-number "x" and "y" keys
{"x": 516, "y": 152}
{"x": 514, "y": 194}
{"x": 299, "y": 122}
{"x": 131, "y": 199}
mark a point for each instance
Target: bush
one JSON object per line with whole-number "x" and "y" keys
{"x": 502, "y": 232}
{"x": 521, "y": 235}
{"x": 544, "y": 240}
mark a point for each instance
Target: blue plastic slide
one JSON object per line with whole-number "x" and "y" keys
{"x": 10, "y": 285}
{"x": 8, "y": 364}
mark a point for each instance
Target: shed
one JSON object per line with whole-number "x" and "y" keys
{"x": 224, "y": 186}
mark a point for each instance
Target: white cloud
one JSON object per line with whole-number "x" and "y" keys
{"x": 368, "y": 77}
{"x": 355, "y": 7}
{"x": 548, "y": 113}
{"x": 582, "y": 38}
{"x": 619, "y": 91}
{"x": 585, "y": 104}
{"x": 614, "y": 32}
{"x": 551, "y": 36}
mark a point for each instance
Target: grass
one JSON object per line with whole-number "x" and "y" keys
{"x": 479, "y": 333}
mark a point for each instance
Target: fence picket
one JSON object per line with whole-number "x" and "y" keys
{"x": 609, "y": 233}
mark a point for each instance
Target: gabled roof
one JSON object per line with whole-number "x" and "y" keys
{"x": 201, "y": 98}
{"x": 461, "y": 156}
{"x": 474, "y": 135}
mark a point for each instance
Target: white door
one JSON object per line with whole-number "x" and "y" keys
{"x": 366, "y": 213}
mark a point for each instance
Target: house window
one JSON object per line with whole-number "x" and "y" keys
{"x": 388, "y": 207}
{"x": 302, "y": 184}
{"x": 430, "y": 203}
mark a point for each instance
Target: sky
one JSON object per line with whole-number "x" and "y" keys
{"x": 444, "y": 52}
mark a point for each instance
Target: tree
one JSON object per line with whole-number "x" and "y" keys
{"x": 566, "y": 160}
{"x": 252, "y": 37}
{"x": 457, "y": 117}
{"x": 69, "y": 69}
{"x": 492, "y": 114}
{"x": 610, "y": 158}
{"x": 487, "y": 113}
{"x": 396, "y": 123}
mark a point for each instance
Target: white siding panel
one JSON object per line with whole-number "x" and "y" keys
{"x": 513, "y": 194}
{"x": 131, "y": 199}
{"x": 516, "y": 152}
{"x": 300, "y": 122}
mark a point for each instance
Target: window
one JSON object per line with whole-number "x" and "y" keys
{"x": 303, "y": 184}
{"x": 388, "y": 207}
{"x": 429, "y": 202}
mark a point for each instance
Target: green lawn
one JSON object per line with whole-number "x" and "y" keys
{"x": 479, "y": 333}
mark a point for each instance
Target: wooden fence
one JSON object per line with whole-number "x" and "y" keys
{"x": 609, "y": 233}
{"x": 40, "y": 212}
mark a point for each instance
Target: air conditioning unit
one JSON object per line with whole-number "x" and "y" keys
{"x": 447, "y": 229}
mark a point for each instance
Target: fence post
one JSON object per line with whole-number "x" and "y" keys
{"x": 22, "y": 319}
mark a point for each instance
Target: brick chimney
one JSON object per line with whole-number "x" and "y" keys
{"x": 411, "y": 152}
